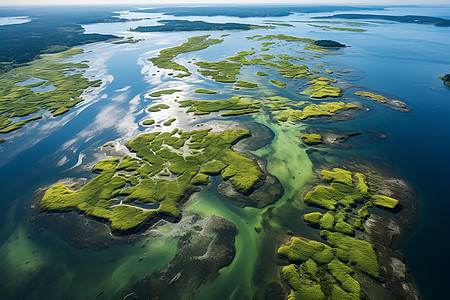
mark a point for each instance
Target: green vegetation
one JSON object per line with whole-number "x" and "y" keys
{"x": 186, "y": 25}
{"x": 158, "y": 107}
{"x": 311, "y": 139}
{"x": 235, "y": 104}
{"x": 329, "y": 44}
{"x": 338, "y": 28}
{"x": 163, "y": 92}
{"x": 372, "y": 96}
{"x": 440, "y": 22}
{"x": 327, "y": 109}
{"x": 50, "y": 72}
{"x": 128, "y": 40}
{"x": 240, "y": 57}
{"x": 281, "y": 24}
{"x": 246, "y": 84}
{"x": 148, "y": 122}
{"x": 446, "y": 79}
{"x": 278, "y": 83}
{"x": 169, "y": 122}
{"x": 204, "y": 91}
{"x": 206, "y": 153}
{"x": 328, "y": 71}
{"x": 320, "y": 87}
{"x": 222, "y": 71}
{"x": 165, "y": 58}
{"x": 317, "y": 270}
{"x": 261, "y": 74}
{"x": 384, "y": 201}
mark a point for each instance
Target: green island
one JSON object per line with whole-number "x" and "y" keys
{"x": 326, "y": 109}
{"x": 278, "y": 83}
{"x": 165, "y": 58}
{"x": 148, "y": 122}
{"x": 259, "y": 73}
{"x": 372, "y": 96}
{"x": 128, "y": 40}
{"x": 320, "y": 87}
{"x": 157, "y": 107}
{"x": 186, "y": 25}
{"x": 246, "y": 84}
{"x": 164, "y": 92}
{"x": 204, "y": 91}
{"x": 114, "y": 195}
{"x": 332, "y": 269}
{"x": 338, "y": 28}
{"x": 311, "y": 138}
{"x": 440, "y": 22}
{"x": 169, "y": 122}
{"x": 51, "y": 89}
{"x": 235, "y": 105}
{"x": 222, "y": 71}
{"x": 446, "y": 79}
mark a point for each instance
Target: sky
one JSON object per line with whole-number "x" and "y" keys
{"x": 279, "y": 2}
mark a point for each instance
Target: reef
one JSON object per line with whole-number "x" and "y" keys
{"x": 206, "y": 246}
{"x": 165, "y": 58}
{"x": 123, "y": 184}
{"x": 50, "y": 88}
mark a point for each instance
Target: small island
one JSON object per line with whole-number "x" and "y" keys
{"x": 186, "y": 25}
{"x": 446, "y": 79}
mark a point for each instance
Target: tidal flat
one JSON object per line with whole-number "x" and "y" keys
{"x": 269, "y": 164}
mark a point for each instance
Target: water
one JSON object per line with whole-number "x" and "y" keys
{"x": 403, "y": 60}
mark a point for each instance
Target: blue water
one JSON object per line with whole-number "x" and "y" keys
{"x": 402, "y": 60}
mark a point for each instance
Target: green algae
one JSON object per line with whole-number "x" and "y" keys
{"x": 204, "y": 91}
{"x": 372, "y": 96}
{"x": 21, "y": 101}
{"x": 311, "y": 139}
{"x": 165, "y": 58}
{"x": 205, "y": 107}
{"x": 246, "y": 84}
{"x": 278, "y": 83}
{"x": 163, "y": 92}
{"x": 158, "y": 107}
{"x": 98, "y": 198}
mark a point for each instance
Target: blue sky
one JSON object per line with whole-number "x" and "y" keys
{"x": 299, "y": 2}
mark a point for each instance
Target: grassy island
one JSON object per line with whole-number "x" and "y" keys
{"x": 326, "y": 270}
{"x": 222, "y": 71}
{"x": 163, "y": 92}
{"x": 235, "y": 105}
{"x": 320, "y": 87}
{"x": 446, "y": 79}
{"x": 372, "y": 96}
{"x": 128, "y": 40}
{"x": 158, "y": 107}
{"x": 278, "y": 83}
{"x": 50, "y": 89}
{"x": 311, "y": 139}
{"x": 186, "y": 25}
{"x": 165, "y": 58}
{"x": 204, "y": 91}
{"x": 123, "y": 182}
{"x": 246, "y": 84}
{"x": 326, "y": 109}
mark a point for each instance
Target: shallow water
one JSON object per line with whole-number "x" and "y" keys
{"x": 402, "y": 60}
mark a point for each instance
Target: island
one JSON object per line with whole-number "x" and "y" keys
{"x": 440, "y": 22}
{"x": 186, "y": 25}
{"x": 446, "y": 79}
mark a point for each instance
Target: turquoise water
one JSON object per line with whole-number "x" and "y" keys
{"x": 403, "y": 60}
